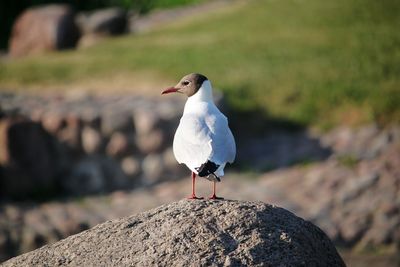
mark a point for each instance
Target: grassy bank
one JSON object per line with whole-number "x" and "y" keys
{"x": 309, "y": 62}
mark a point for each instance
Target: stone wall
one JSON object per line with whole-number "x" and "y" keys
{"x": 85, "y": 145}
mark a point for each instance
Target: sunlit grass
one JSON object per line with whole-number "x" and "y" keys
{"x": 310, "y": 62}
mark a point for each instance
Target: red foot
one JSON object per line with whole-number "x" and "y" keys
{"x": 194, "y": 197}
{"x": 214, "y": 197}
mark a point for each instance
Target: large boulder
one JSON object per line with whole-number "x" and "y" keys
{"x": 194, "y": 233}
{"x": 43, "y": 28}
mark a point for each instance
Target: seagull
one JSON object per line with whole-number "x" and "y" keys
{"x": 203, "y": 140}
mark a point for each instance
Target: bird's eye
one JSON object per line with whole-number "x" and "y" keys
{"x": 185, "y": 83}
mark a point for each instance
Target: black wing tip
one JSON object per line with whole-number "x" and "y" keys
{"x": 207, "y": 168}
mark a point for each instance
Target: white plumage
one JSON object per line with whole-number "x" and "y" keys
{"x": 203, "y": 140}
{"x": 203, "y": 133}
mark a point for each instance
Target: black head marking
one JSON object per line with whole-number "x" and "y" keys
{"x": 191, "y": 83}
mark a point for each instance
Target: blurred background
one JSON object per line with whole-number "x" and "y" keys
{"x": 311, "y": 90}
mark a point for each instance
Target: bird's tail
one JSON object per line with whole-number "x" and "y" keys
{"x": 208, "y": 170}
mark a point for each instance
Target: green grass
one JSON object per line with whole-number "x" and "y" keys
{"x": 348, "y": 160}
{"x": 309, "y": 62}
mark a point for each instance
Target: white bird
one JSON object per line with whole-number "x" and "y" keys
{"x": 203, "y": 140}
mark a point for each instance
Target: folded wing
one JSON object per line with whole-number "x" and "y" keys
{"x": 202, "y": 138}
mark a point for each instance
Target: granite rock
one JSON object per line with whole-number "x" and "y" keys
{"x": 44, "y": 28}
{"x": 194, "y": 233}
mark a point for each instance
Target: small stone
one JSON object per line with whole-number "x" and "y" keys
{"x": 378, "y": 144}
{"x": 86, "y": 178}
{"x": 228, "y": 261}
{"x": 153, "y": 167}
{"x": 169, "y": 159}
{"x": 172, "y": 167}
{"x": 91, "y": 117}
{"x": 118, "y": 145}
{"x": 115, "y": 177}
{"x": 145, "y": 121}
{"x": 52, "y": 122}
{"x": 71, "y": 134}
{"x": 91, "y": 140}
{"x": 130, "y": 166}
{"x": 151, "y": 142}
{"x": 113, "y": 121}
{"x": 170, "y": 111}
{"x": 355, "y": 187}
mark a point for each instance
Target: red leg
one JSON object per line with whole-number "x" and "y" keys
{"x": 193, "y": 196}
{"x": 214, "y": 196}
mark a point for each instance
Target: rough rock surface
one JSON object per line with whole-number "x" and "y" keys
{"x": 194, "y": 233}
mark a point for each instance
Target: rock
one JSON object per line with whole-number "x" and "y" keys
{"x": 118, "y": 145}
{"x": 170, "y": 111}
{"x": 280, "y": 148}
{"x": 95, "y": 174}
{"x": 28, "y": 157}
{"x": 52, "y": 122}
{"x": 357, "y": 205}
{"x": 109, "y": 21}
{"x": 115, "y": 121}
{"x": 194, "y": 233}
{"x": 100, "y": 23}
{"x": 378, "y": 145}
{"x": 152, "y": 142}
{"x": 89, "y": 40}
{"x": 31, "y": 239}
{"x": 81, "y": 125}
{"x": 71, "y": 134}
{"x": 152, "y": 166}
{"x": 130, "y": 166}
{"x": 91, "y": 117}
{"x": 4, "y": 245}
{"x": 43, "y": 28}
{"x": 91, "y": 140}
{"x": 145, "y": 121}
{"x": 354, "y": 227}
{"x": 356, "y": 187}
{"x": 172, "y": 167}
{"x": 115, "y": 177}
{"x": 362, "y": 143}
{"x": 86, "y": 178}
{"x": 169, "y": 159}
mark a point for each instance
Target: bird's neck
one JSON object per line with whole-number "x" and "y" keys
{"x": 203, "y": 95}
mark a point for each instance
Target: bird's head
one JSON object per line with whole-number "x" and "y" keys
{"x": 188, "y": 85}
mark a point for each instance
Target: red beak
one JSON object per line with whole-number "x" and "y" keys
{"x": 170, "y": 90}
